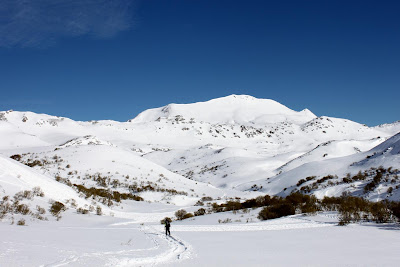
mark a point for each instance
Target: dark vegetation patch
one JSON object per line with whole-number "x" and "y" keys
{"x": 368, "y": 180}
{"x": 107, "y": 195}
{"x": 19, "y": 204}
{"x": 349, "y": 208}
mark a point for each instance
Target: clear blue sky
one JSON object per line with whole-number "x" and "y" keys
{"x": 90, "y": 60}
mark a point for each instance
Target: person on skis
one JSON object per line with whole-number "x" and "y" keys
{"x": 167, "y": 226}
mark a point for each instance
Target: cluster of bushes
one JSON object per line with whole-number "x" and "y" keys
{"x": 350, "y": 208}
{"x": 154, "y": 188}
{"x": 91, "y": 208}
{"x": 300, "y": 202}
{"x": 13, "y": 205}
{"x": 65, "y": 181}
{"x": 355, "y": 209}
{"x": 381, "y": 174}
{"x": 274, "y": 207}
{"x": 35, "y": 162}
{"x": 29, "y": 162}
{"x": 375, "y": 175}
{"x": 276, "y": 211}
{"x": 106, "y": 195}
{"x": 183, "y": 214}
{"x": 316, "y": 184}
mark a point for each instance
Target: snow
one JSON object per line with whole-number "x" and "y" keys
{"x": 231, "y": 109}
{"x": 231, "y": 147}
{"x": 309, "y": 240}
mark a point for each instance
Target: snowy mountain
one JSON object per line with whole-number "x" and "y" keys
{"x": 234, "y": 109}
{"x": 96, "y": 191}
{"x": 237, "y": 146}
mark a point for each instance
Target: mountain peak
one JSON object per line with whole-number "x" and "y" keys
{"x": 229, "y": 109}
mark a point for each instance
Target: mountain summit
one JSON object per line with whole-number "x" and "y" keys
{"x": 233, "y": 109}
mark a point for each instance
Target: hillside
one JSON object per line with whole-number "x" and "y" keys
{"x": 93, "y": 193}
{"x": 234, "y": 146}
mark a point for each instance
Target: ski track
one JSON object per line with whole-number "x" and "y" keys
{"x": 173, "y": 249}
{"x": 177, "y": 250}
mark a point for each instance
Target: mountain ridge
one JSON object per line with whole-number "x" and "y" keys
{"x": 236, "y": 149}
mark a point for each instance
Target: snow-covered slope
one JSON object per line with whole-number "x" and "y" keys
{"x": 351, "y": 174}
{"x": 230, "y": 146}
{"x": 112, "y": 182}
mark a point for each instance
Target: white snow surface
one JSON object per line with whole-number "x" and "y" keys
{"x": 232, "y": 147}
{"x": 233, "y": 109}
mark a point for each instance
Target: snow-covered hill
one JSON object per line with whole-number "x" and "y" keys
{"x": 112, "y": 182}
{"x": 234, "y": 109}
{"x": 373, "y": 174}
{"x": 231, "y": 146}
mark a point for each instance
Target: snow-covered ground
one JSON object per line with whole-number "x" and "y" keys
{"x": 296, "y": 240}
{"x": 181, "y": 156}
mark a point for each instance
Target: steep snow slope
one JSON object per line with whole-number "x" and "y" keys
{"x": 15, "y": 177}
{"x": 28, "y": 194}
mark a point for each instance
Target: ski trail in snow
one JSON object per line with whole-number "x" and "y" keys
{"x": 63, "y": 262}
{"x": 176, "y": 250}
{"x": 164, "y": 250}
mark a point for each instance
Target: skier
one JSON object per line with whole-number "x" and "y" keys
{"x": 167, "y": 226}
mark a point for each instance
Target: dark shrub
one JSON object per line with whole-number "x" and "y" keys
{"x": 188, "y": 215}
{"x": 216, "y": 208}
{"x": 56, "y": 208}
{"x": 351, "y": 208}
{"x": 380, "y": 212}
{"x": 200, "y": 212}
{"x": 233, "y": 205}
{"x": 206, "y": 199}
{"x": 22, "y": 209}
{"x": 199, "y": 203}
{"x": 395, "y": 208}
{"x": 309, "y": 178}
{"x": 276, "y": 211}
{"x": 300, "y": 182}
{"x": 82, "y": 211}
{"x": 180, "y": 214}
{"x": 16, "y": 157}
{"x": 99, "y": 211}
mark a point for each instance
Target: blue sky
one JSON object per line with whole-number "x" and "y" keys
{"x": 99, "y": 59}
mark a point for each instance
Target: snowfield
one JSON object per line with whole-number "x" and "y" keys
{"x": 93, "y": 193}
{"x": 297, "y": 240}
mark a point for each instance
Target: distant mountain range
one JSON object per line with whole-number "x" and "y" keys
{"x": 235, "y": 146}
